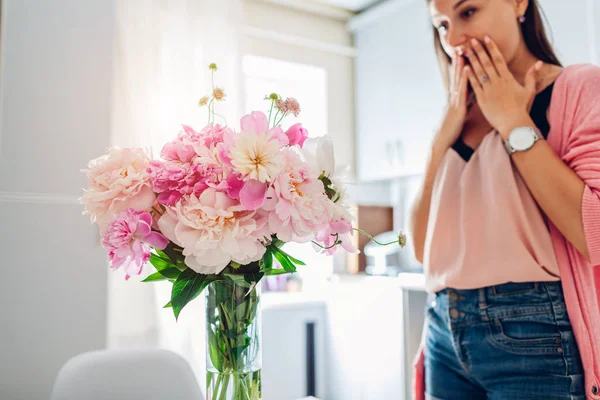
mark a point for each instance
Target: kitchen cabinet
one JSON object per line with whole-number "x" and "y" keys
{"x": 399, "y": 91}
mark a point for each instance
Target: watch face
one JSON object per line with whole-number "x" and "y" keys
{"x": 522, "y": 139}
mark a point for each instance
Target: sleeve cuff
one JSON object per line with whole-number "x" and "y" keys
{"x": 591, "y": 223}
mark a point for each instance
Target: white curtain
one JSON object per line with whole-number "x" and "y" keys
{"x": 163, "y": 48}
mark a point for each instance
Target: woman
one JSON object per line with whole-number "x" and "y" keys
{"x": 507, "y": 223}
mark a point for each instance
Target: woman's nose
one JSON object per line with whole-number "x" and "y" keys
{"x": 456, "y": 40}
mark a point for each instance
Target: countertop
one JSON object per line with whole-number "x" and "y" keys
{"x": 404, "y": 281}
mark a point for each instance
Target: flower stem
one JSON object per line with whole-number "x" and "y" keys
{"x": 157, "y": 211}
{"x": 281, "y": 119}
{"x": 225, "y": 383}
{"x": 217, "y": 387}
{"x": 222, "y": 117}
{"x": 271, "y": 111}
{"x": 335, "y": 243}
{"x": 373, "y": 239}
{"x": 209, "y": 106}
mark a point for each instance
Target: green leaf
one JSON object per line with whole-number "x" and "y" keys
{"x": 273, "y": 272}
{"x": 157, "y": 276}
{"x": 186, "y": 288}
{"x": 238, "y": 351}
{"x": 215, "y": 354}
{"x": 159, "y": 263}
{"x": 167, "y": 273}
{"x": 292, "y": 259}
{"x": 268, "y": 259}
{"x": 277, "y": 242}
{"x": 284, "y": 261}
{"x": 163, "y": 255}
{"x": 230, "y": 334}
{"x": 240, "y": 310}
{"x": 245, "y": 280}
{"x": 237, "y": 279}
{"x": 253, "y": 278}
{"x": 174, "y": 254}
{"x": 168, "y": 305}
{"x": 171, "y": 272}
{"x": 220, "y": 294}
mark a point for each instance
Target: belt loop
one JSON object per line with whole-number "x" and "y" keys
{"x": 483, "y": 304}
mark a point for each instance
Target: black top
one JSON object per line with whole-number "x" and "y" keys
{"x": 538, "y": 115}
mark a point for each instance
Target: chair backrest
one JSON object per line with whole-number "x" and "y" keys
{"x": 146, "y": 374}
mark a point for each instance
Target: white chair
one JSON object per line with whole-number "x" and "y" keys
{"x": 149, "y": 374}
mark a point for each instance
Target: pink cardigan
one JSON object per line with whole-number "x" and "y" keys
{"x": 574, "y": 118}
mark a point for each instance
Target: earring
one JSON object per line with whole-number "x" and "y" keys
{"x": 522, "y": 19}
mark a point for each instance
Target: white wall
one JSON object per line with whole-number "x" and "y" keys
{"x": 55, "y": 102}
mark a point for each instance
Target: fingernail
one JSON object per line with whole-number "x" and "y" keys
{"x": 475, "y": 42}
{"x": 487, "y": 39}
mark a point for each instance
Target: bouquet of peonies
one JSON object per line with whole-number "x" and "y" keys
{"x": 217, "y": 207}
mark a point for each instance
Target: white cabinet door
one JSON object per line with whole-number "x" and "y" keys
{"x": 294, "y": 355}
{"x": 399, "y": 93}
{"x": 366, "y": 340}
{"x": 571, "y": 29}
{"x": 376, "y": 67}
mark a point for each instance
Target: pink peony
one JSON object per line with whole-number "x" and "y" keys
{"x": 213, "y": 134}
{"x": 255, "y": 152}
{"x": 117, "y": 181}
{"x": 234, "y": 186}
{"x": 253, "y": 194}
{"x": 214, "y": 230}
{"x": 297, "y": 135}
{"x": 191, "y": 165}
{"x": 128, "y": 238}
{"x": 297, "y": 203}
{"x": 339, "y": 230}
{"x": 174, "y": 180}
{"x": 182, "y": 148}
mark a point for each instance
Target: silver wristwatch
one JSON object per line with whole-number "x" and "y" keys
{"x": 522, "y": 138}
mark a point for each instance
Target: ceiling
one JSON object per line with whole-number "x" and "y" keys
{"x": 352, "y": 5}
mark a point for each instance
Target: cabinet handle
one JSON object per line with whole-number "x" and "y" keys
{"x": 389, "y": 152}
{"x": 400, "y": 151}
{"x": 311, "y": 384}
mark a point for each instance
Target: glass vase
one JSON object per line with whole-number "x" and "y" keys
{"x": 233, "y": 341}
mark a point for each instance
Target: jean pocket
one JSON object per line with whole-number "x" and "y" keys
{"x": 526, "y": 334}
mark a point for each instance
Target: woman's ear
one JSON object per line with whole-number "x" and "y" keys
{"x": 521, "y": 7}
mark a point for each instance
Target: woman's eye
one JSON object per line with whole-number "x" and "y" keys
{"x": 468, "y": 13}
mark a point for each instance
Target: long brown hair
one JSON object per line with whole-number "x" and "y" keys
{"x": 534, "y": 34}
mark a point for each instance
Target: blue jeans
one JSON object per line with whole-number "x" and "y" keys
{"x": 509, "y": 342}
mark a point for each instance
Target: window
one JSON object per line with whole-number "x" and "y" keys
{"x": 308, "y": 84}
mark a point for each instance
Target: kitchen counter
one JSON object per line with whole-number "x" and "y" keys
{"x": 404, "y": 281}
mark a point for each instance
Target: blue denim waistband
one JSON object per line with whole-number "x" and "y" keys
{"x": 501, "y": 301}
